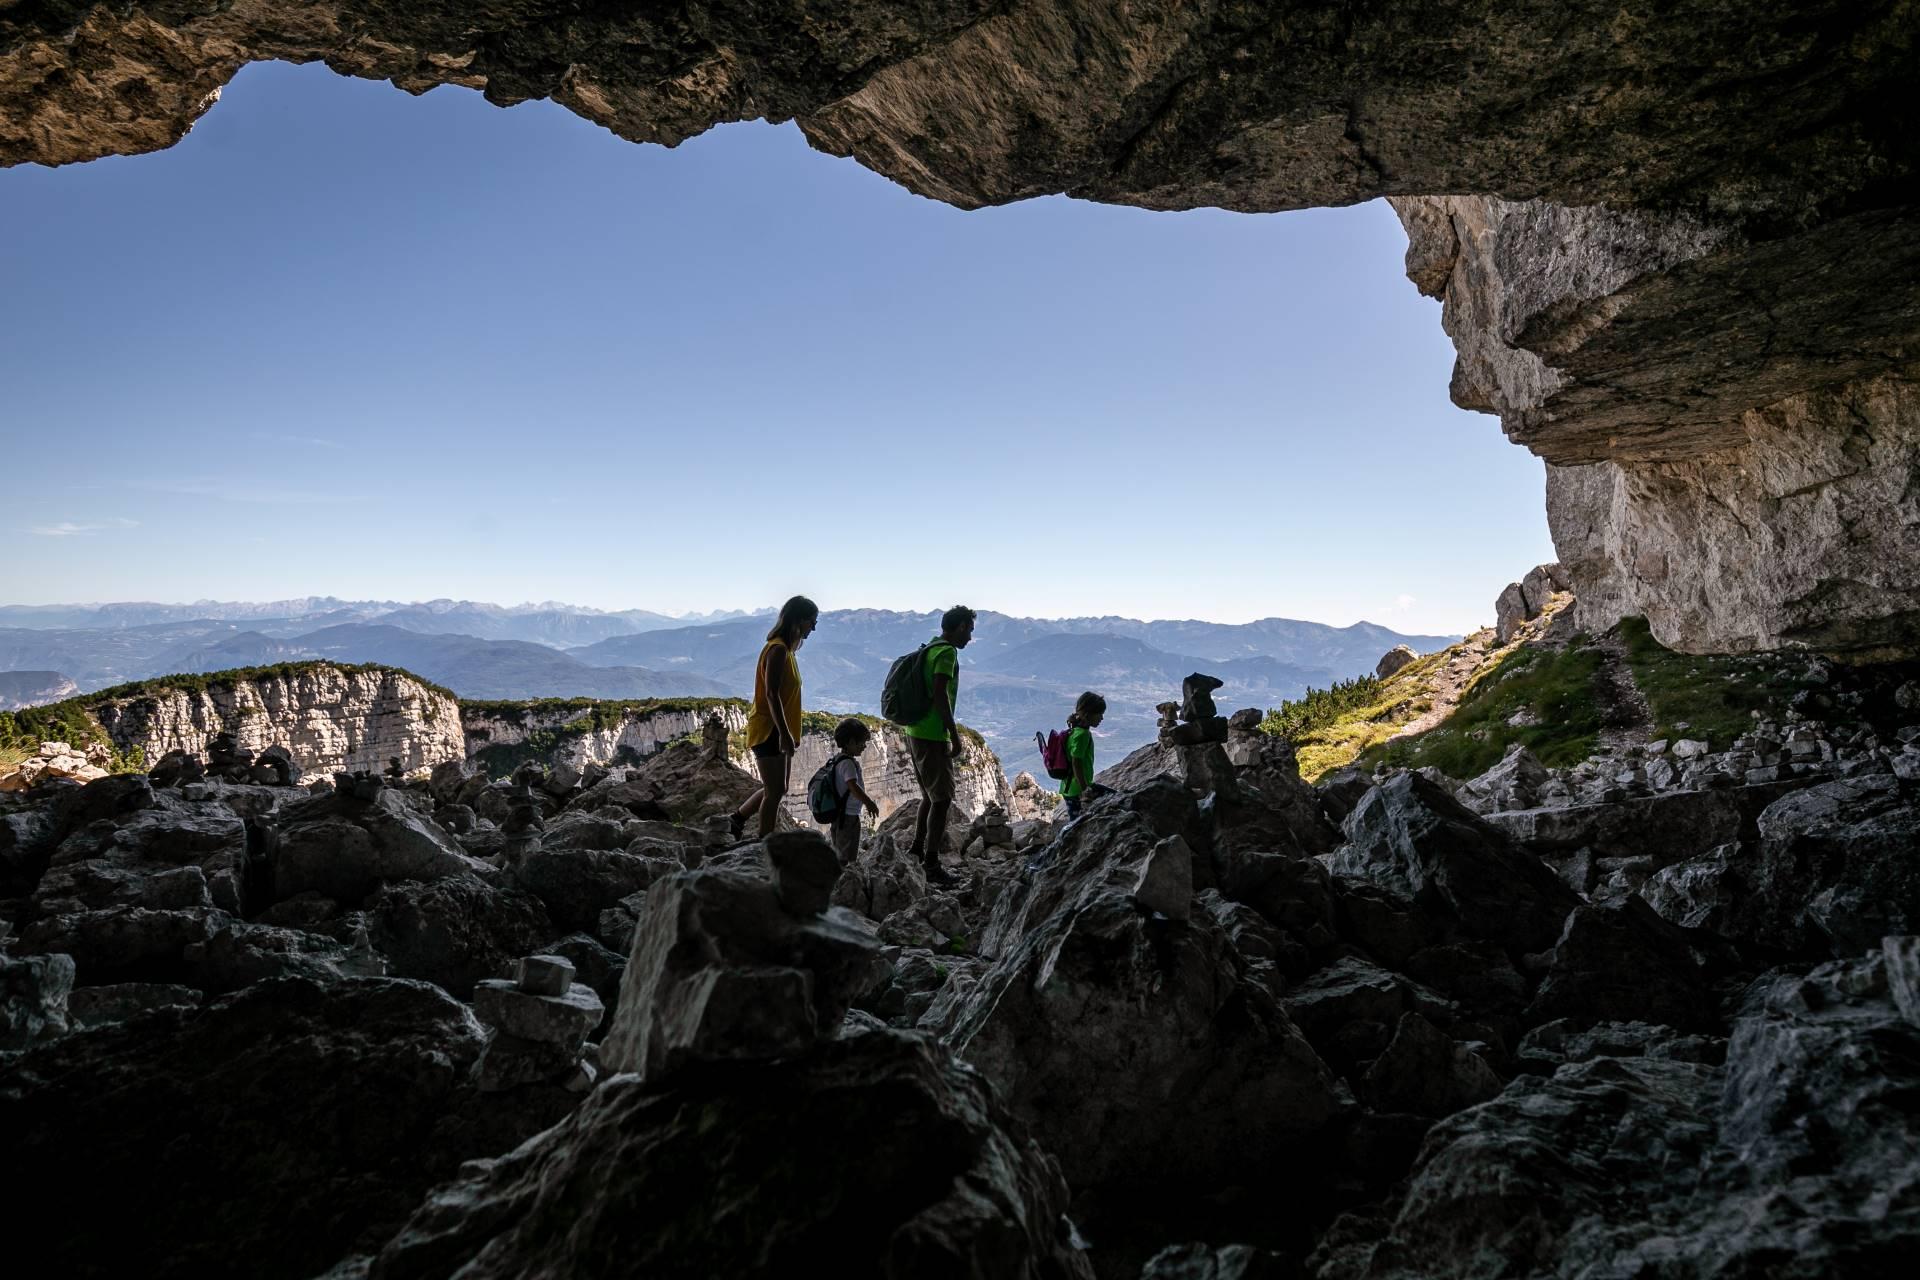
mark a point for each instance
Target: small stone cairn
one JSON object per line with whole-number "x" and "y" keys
{"x": 540, "y": 1020}
{"x": 993, "y": 828}
{"x": 1244, "y": 736}
{"x": 226, "y": 761}
{"x": 1198, "y": 733}
{"x": 713, "y": 739}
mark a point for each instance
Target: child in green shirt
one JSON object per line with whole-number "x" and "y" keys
{"x": 1088, "y": 711}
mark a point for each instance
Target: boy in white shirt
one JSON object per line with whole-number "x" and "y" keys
{"x": 852, "y": 738}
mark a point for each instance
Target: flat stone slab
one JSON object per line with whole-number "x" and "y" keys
{"x": 564, "y": 1021}
{"x": 545, "y": 975}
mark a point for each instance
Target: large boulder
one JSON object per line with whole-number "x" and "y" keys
{"x": 33, "y": 999}
{"x": 1413, "y": 839}
{"x": 1622, "y": 963}
{"x": 456, "y": 931}
{"x": 125, "y": 944}
{"x": 1794, "y": 1160}
{"x": 722, "y": 972}
{"x": 1836, "y": 869}
{"x": 257, "y": 1137}
{"x": 1144, "y": 1050}
{"x": 878, "y": 1155}
{"x": 578, "y": 884}
{"x": 344, "y": 847}
{"x": 681, "y": 784}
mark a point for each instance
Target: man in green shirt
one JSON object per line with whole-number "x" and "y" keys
{"x": 934, "y": 741}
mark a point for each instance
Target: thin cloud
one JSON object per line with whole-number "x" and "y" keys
{"x": 75, "y": 529}
{"x": 228, "y": 491}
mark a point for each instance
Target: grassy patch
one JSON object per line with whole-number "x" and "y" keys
{"x": 1714, "y": 695}
{"x": 72, "y": 722}
{"x": 1552, "y": 687}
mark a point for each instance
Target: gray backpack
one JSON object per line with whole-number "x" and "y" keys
{"x": 907, "y": 695}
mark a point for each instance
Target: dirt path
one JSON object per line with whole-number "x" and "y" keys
{"x": 1625, "y": 716}
{"x": 1449, "y": 680}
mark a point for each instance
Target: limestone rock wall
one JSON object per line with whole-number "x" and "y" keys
{"x": 1729, "y": 454}
{"x": 1808, "y": 533}
{"x": 637, "y": 730}
{"x": 328, "y": 717}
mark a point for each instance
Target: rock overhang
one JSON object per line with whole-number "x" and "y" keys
{"x": 1651, "y": 224}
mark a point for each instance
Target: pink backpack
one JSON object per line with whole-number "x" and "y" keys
{"x": 1053, "y": 754}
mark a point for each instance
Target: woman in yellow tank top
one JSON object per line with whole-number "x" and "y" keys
{"x": 773, "y": 726}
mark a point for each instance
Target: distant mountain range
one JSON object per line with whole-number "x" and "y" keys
{"x": 1019, "y": 675}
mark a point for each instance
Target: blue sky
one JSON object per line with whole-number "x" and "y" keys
{"x": 344, "y": 341}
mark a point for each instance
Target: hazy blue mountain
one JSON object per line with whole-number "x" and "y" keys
{"x": 33, "y": 688}
{"x": 1018, "y": 676}
{"x": 98, "y": 657}
{"x": 476, "y": 668}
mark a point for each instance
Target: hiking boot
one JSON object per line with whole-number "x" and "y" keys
{"x": 937, "y": 874}
{"x": 736, "y": 825}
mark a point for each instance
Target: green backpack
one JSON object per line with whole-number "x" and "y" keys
{"x": 907, "y": 695}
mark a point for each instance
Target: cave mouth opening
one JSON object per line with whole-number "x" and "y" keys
{"x": 403, "y": 321}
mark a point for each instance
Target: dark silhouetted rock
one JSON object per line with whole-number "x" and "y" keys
{"x": 722, "y": 972}
{"x": 282, "y": 1122}
{"x": 33, "y": 998}
{"x": 344, "y": 845}
{"x": 874, "y": 1155}
{"x": 1411, "y": 837}
{"x": 456, "y": 931}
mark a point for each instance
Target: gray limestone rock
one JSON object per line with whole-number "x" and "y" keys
{"x": 805, "y": 869}
{"x": 1393, "y": 660}
{"x": 1165, "y": 881}
{"x": 723, "y": 972}
{"x": 116, "y": 1002}
{"x": 563, "y": 1021}
{"x": 544, "y": 975}
{"x": 1412, "y": 838}
{"x": 1140, "y": 1050}
{"x": 1424, "y": 1072}
{"x": 33, "y": 998}
{"x": 578, "y": 884}
{"x": 343, "y": 846}
{"x": 1835, "y": 870}
{"x": 122, "y": 944}
{"x": 1219, "y": 1262}
{"x": 455, "y": 931}
{"x": 1794, "y": 1159}
{"x": 876, "y": 1153}
{"x": 285, "y": 1122}
{"x": 1509, "y": 613}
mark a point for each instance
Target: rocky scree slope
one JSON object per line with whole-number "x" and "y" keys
{"x": 1470, "y": 1030}
{"x": 1676, "y": 245}
{"x": 576, "y": 734}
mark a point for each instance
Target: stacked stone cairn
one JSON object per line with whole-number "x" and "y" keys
{"x": 993, "y": 828}
{"x": 178, "y": 768}
{"x": 1244, "y": 736}
{"x": 540, "y": 1021}
{"x": 713, "y": 739}
{"x": 226, "y": 761}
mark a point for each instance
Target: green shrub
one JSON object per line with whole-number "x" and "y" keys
{"x": 1320, "y": 708}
